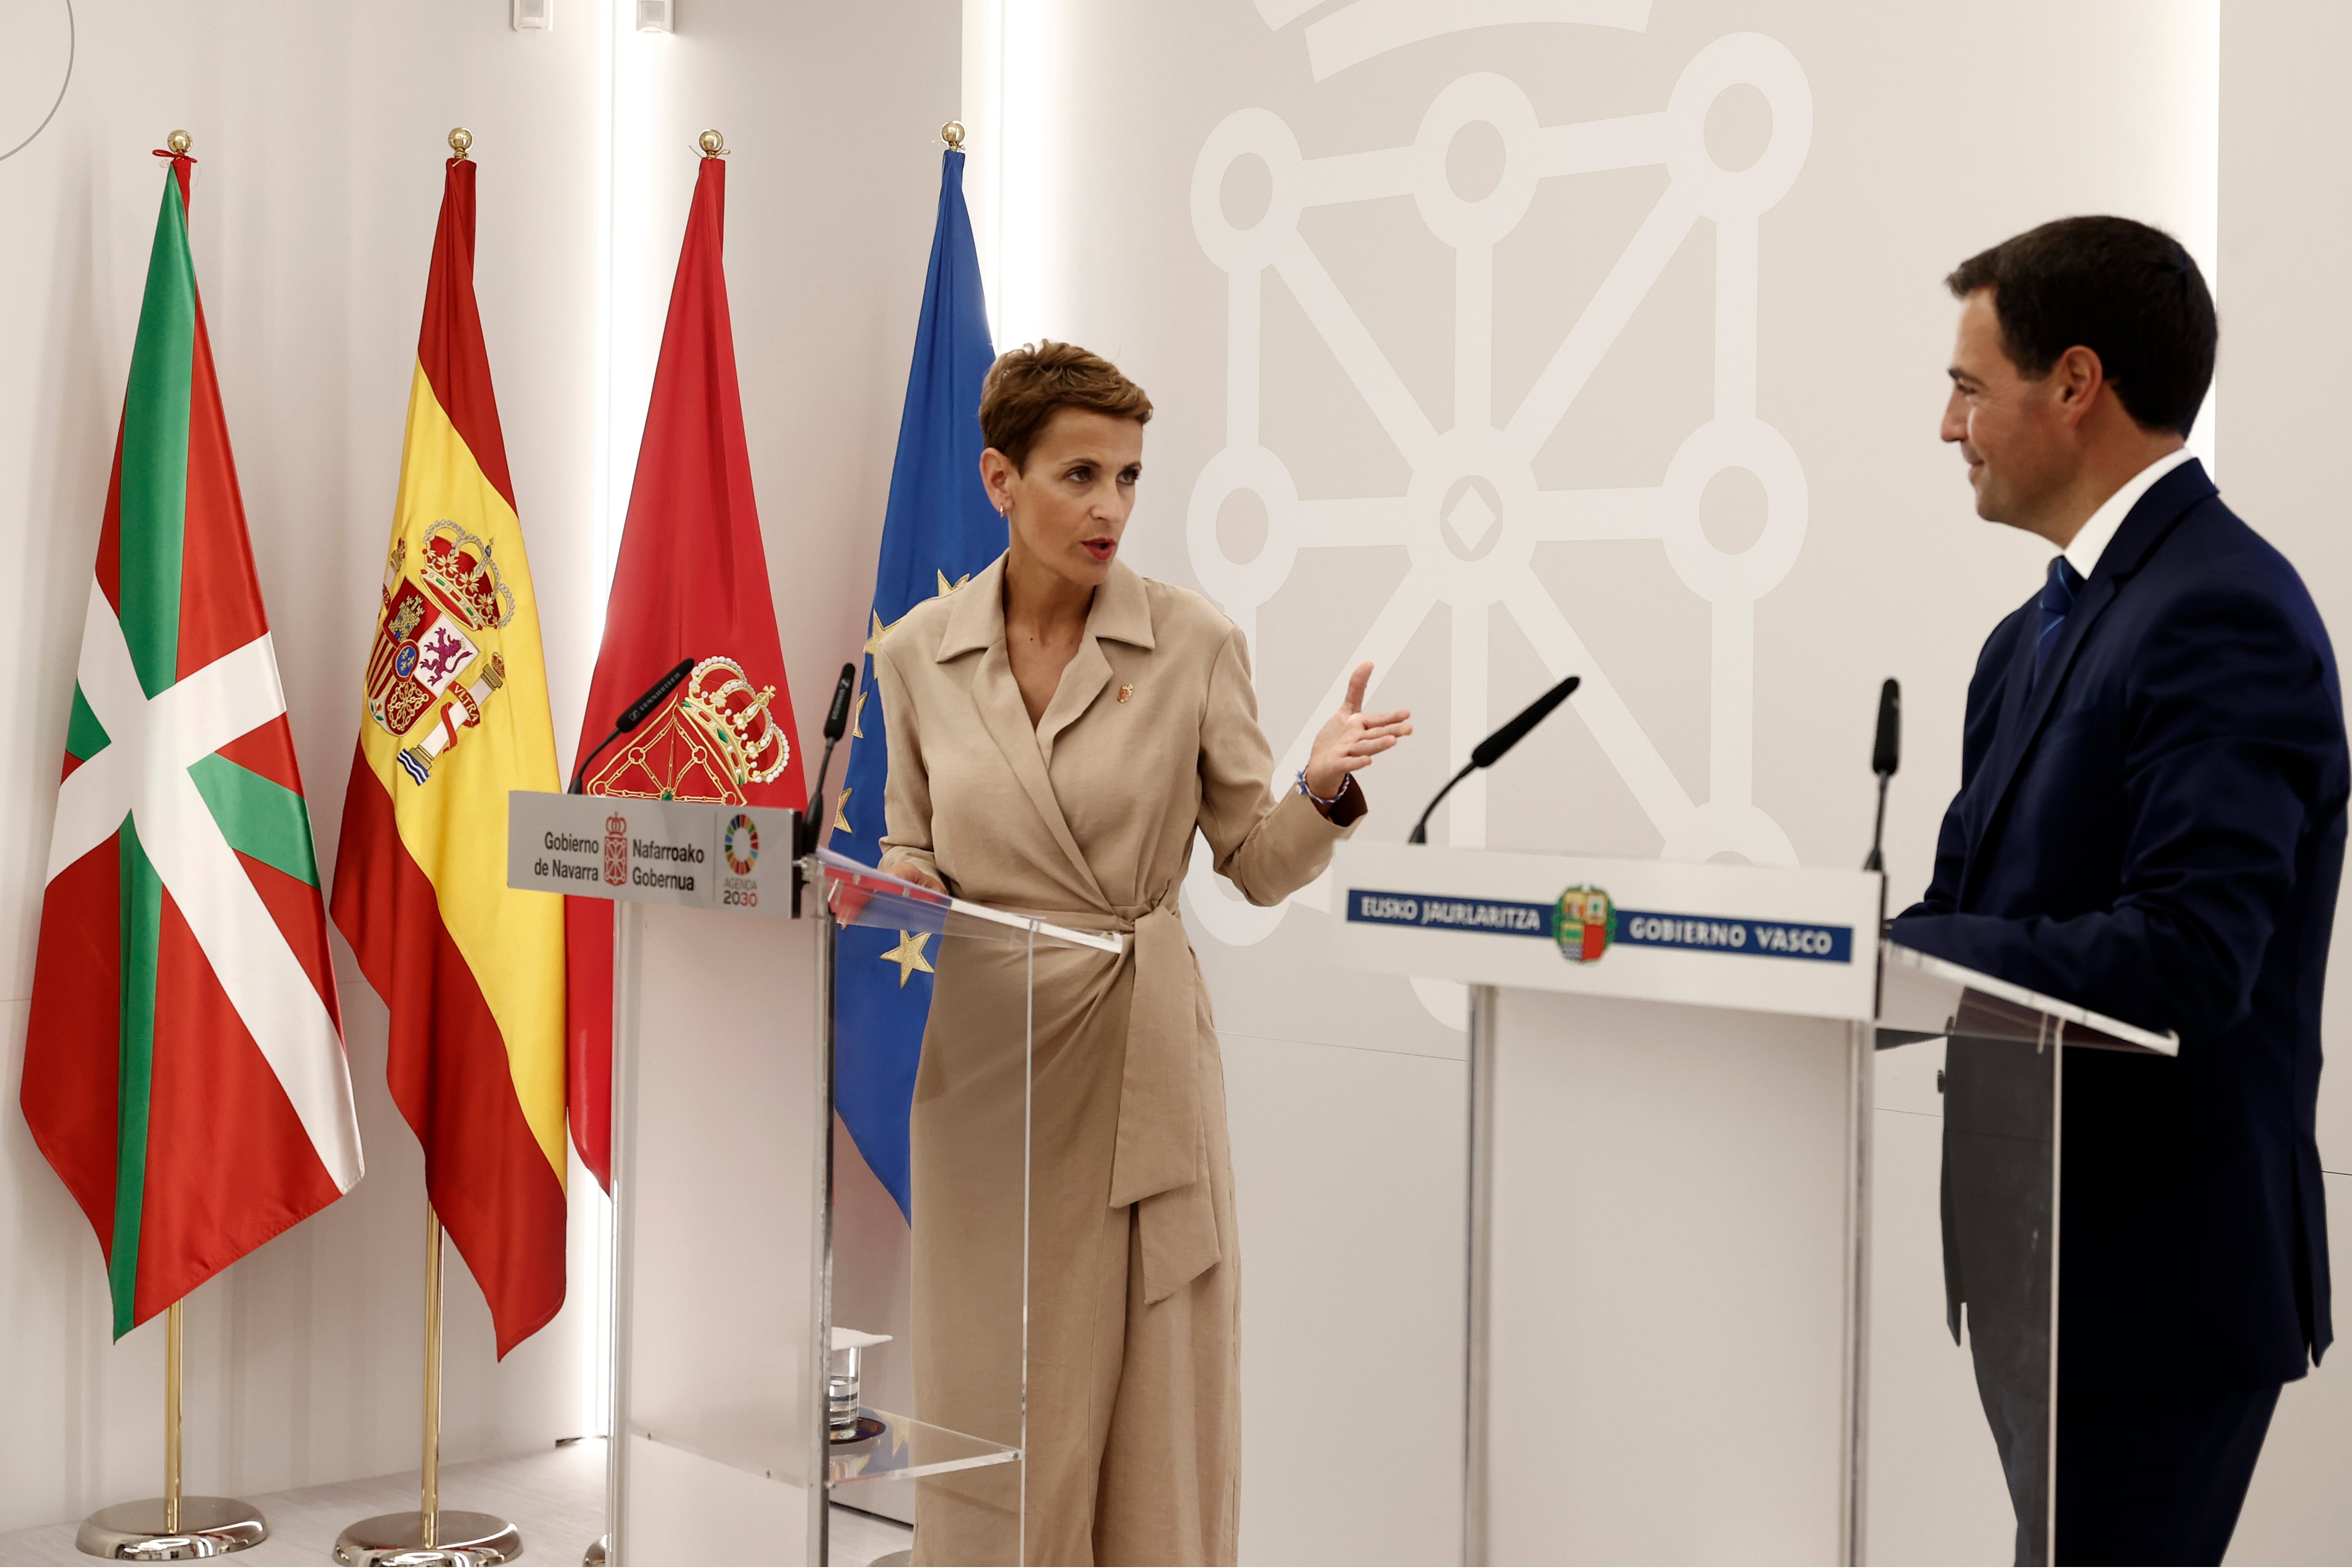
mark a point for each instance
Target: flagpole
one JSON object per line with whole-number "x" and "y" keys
{"x": 428, "y": 1519}
{"x": 173, "y": 1526}
{"x": 426, "y": 1536}
{"x": 172, "y": 1419}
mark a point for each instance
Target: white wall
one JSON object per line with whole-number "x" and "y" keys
{"x": 320, "y": 131}
{"x": 320, "y": 135}
{"x": 2286, "y": 336}
{"x": 1932, "y": 134}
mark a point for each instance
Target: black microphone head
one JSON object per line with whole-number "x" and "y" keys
{"x": 836, "y": 718}
{"x": 1490, "y": 751}
{"x": 1886, "y": 750}
{"x": 643, "y": 708}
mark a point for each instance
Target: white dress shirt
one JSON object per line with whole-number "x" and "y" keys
{"x": 2091, "y": 543}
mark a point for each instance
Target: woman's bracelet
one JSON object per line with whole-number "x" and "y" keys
{"x": 1337, "y": 795}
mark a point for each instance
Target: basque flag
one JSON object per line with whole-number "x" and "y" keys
{"x": 937, "y": 530}
{"x": 184, "y": 1053}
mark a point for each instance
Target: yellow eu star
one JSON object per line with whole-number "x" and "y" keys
{"x": 841, "y": 812}
{"x": 857, "y": 717}
{"x": 908, "y": 955}
{"x": 881, "y": 630}
{"x": 947, "y": 587}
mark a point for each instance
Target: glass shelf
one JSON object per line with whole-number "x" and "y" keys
{"x": 754, "y": 1440}
{"x": 860, "y": 896}
{"x": 907, "y": 1449}
{"x": 1923, "y": 998}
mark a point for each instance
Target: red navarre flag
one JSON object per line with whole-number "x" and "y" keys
{"x": 691, "y": 582}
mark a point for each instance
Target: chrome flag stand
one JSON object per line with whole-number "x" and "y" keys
{"x": 172, "y": 1528}
{"x": 432, "y": 1537}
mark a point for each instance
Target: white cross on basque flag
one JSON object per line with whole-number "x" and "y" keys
{"x": 148, "y": 772}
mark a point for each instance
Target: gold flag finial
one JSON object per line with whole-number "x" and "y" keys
{"x": 712, "y": 143}
{"x": 179, "y": 142}
{"x": 460, "y": 141}
{"x": 953, "y": 134}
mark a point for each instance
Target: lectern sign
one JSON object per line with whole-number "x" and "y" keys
{"x": 1717, "y": 933}
{"x": 1584, "y": 923}
{"x": 1650, "y": 929}
{"x": 693, "y": 854}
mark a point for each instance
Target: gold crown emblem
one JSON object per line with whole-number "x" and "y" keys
{"x": 458, "y": 569}
{"x": 723, "y": 706}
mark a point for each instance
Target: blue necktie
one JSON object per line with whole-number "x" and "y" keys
{"x": 2057, "y": 598}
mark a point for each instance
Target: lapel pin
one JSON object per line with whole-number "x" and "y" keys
{"x": 1126, "y": 692}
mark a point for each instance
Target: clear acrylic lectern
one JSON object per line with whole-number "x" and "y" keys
{"x": 1996, "y": 1052}
{"x": 1706, "y": 1296}
{"x": 738, "y": 1401}
{"x": 960, "y": 1435}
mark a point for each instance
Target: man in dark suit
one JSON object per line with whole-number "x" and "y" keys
{"x": 2151, "y": 824}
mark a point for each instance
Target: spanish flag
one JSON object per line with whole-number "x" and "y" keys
{"x": 455, "y": 717}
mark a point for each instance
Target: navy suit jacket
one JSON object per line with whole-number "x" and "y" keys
{"x": 2155, "y": 830}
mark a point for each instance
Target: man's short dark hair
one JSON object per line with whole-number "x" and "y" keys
{"x": 2127, "y": 292}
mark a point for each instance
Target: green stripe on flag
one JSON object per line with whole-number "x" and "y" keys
{"x": 154, "y": 509}
{"x": 142, "y": 922}
{"x": 85, "y": 736}
{"x": 258, "y": 816}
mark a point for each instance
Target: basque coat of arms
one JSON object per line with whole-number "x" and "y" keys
{"x": 426, "y": 676}
{"x": 1583, "y": 924}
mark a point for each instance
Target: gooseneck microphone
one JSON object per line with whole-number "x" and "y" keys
{"x": 637, "y": 713}
{"x": 1885, "y": 756}
{"x": 1489, "y": 751}
{"x": 836, "y": 724}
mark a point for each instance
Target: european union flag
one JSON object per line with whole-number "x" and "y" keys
{"x": 939, "y": 530}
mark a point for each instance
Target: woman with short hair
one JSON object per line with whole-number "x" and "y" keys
{"x": 1059, "y": 730}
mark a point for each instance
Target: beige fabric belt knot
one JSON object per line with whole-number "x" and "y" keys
{"x": 1161, "y": 1159}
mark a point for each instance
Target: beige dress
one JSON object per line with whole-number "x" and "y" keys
{"x": 1133, "y": 1415}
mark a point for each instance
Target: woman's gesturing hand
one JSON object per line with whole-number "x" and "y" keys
{"x": 1351, "y": 737}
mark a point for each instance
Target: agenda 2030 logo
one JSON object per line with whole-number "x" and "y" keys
{"x": 743, "y": 844}
{"x": 1583, "y": 923}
